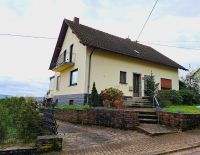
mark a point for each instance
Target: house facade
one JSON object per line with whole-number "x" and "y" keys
{"x": 84, "y": 55}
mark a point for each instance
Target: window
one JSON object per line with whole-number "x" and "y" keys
{"x": 52, "y": 80}
{"x": 58, "y": 83}
{"x": 71, "y": 102}
{"x": 74, "y": 77}
{"x": 122, "y": 77}
{"x": 166, "y": 84}
{"x": 71, "y": 53}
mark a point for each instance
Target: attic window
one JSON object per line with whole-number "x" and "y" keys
{"x": 136, "y": 52}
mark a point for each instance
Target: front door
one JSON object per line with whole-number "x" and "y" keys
{"x": 136, "y": 85}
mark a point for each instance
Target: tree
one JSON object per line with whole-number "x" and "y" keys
{"x": 94, "y": 97}
{"x": 151, "y": 85}
{"x": 191, "y": 82}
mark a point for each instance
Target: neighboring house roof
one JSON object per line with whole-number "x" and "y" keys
{"x": 197, "y": 73}
{"x": 97, "y": 39}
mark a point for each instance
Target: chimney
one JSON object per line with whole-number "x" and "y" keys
{"x": 76, "y": 20}
{"x": 128, "y": 39}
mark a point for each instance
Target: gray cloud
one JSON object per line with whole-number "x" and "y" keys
{"x": 22, "y": 88}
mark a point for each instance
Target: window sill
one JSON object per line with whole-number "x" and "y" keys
{"x": 122, "y": 83}
{"x": 74, "y": 84}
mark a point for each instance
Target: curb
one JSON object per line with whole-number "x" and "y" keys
{"x": 195, "y": 145}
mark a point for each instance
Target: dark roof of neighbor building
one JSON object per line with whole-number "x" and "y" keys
{"x": 196, "y": 72}
{"x": 97, "y": 39}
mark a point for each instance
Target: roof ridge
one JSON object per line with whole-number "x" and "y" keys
{"x": 104, "y": 32}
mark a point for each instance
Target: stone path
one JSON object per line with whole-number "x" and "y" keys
{"x": 78, "y": 136}
{"x": 92, "y": 140}
{"x": 155, "y": 129}
{"x": 193, "y": 151}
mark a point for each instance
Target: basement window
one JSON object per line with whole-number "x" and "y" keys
{"x": 71, "y": 102}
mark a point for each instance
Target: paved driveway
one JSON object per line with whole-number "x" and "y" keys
{"x": 93, "y": 140}
{"x": 78, "y": 136}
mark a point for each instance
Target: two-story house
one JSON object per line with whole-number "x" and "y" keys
{"x": 84, "y": 55}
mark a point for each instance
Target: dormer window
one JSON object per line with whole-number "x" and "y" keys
{"x": 136, "y": 52}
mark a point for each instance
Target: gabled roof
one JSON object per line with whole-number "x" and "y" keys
{"x": 196, "y": 73}
{"x": 97, "y": 39}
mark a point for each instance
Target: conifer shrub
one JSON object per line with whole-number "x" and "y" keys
{"x": 94, "y": 97}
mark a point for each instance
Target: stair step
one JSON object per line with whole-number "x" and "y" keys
{"x": 142, "y": 101}
{"x": 140, "y": 106}
{"x": 145, "y": 120}
{"x": 147, "y": 97}
{"x": 147, "y": 115}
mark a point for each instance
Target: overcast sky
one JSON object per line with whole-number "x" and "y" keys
{"x": 24, "y": 62}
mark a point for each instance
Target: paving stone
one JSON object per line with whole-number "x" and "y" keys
{"x": 120, "y": 142}
{"x": 155, "y": 129}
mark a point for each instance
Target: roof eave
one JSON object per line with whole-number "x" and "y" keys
{"x": 59, "y": 43}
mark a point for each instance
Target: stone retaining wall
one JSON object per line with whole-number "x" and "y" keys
{"x": 116, "y": 118}
{"x": 43, "y": 144}
{"x": 181, "y": 121}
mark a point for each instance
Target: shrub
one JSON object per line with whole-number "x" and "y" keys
{"x": 28, "y": 120}
{"x": 2, "y": 132}
{"x": 18, "y": 119}
{"x": 94, "y": 97}
{"x": 188, "y": 96}
{"x": 112, "y": 97}
{"x": 175, "y": 97}
{"x": 118, "y": 103}
{"x": 196, "y": 100}
{"x": 168, "y": 97}
{"x": 151, "y": 85}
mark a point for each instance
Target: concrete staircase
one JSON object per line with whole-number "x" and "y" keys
{"x": 144, "y": 105}
{"x": 149, "y": 117}
{"x": 139, "y": 102}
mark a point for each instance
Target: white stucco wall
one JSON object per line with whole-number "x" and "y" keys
{"x": 79, "y": 51}
{"x": 106, "y": 67}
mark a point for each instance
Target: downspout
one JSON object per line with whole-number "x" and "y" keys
{"x": 89, "y": 73}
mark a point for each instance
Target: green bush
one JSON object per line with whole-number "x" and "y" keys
{"x": 18, "y": 119}
{"x": 2, "y": 132}
{"x": 28, "y": 120}
{"x": 111, "y": 96}
{"x": 196, "y": 100}
{"x": 169, "y": 97}
{"x": 188, "y": 96}
{"x": 175, "y": 97}
{"x": 94, "y": 97}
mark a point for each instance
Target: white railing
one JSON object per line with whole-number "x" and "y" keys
{"x": 155, "y": 100}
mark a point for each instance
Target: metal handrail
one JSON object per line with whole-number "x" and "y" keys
{"x": 155, "y": 100}
{"x": 65, "y": 57}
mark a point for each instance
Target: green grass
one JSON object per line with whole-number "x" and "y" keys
{"x": 182, "y": 109}
{"x": 73, "y": 107}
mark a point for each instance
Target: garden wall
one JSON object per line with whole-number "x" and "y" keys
{"x": 181, "y": 121}
{"x": 116, "y": 118}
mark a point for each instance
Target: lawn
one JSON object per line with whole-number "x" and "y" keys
{"x": 186, "y": 109}
{"x": 73, "y": 107}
